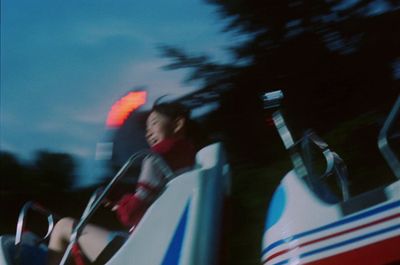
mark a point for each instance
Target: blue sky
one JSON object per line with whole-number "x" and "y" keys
{"x": 64, "y": 63}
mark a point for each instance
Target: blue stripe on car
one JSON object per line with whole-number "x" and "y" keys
{"x": 173, "y": 253}
{"x": 343, "y": 243}
{"x": 350, "y": 219}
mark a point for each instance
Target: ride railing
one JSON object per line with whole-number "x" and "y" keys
{"x": 95, "y": 201}
{"x": 302, "y": 159}
{"x": 387, "y": 134}
{"x": 27, "y": 208}
{"x": 335, "y": 168}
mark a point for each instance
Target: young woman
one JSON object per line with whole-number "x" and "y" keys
{"x": 166, "y": 133}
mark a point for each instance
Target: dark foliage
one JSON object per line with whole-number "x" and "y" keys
{"x": 333, "y": 60}
{"x": 47, "y": 180}
{"x": 55, "y": 170}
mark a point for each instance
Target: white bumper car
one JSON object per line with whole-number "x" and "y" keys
{"x": 307, "y": 225}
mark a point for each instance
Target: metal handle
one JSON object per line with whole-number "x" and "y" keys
{"x": 383, "y": 143}
{"x": 301, "y": 163}
{"x": 22, "y": 223}
{"x": 22, "y": 220}
{"x": 334, "y": 163}
{"x": 272, "y": 99}
{"x": 289, "y": 144}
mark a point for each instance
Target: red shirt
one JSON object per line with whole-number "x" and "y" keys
{"x": 177, "y": 152}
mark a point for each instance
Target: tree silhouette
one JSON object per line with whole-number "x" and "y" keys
{"x": 47, "y": 171}
{"x": 55, "y": 170}
{"x": 46, "y": 179}
{"x": 333, "y": 59}
{"x": 11, "y": 171}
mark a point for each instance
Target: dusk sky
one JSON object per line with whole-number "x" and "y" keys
{"x": 64, "y": 63}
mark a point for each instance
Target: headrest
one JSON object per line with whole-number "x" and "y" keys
{"x": 210, "y": 156}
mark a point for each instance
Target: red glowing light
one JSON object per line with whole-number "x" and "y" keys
{"x": 121, "y": 109}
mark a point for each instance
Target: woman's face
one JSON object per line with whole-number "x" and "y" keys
{"x": 158, "y": 127}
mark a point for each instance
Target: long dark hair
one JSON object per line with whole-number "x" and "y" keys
{"x": 173, "y": 110}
